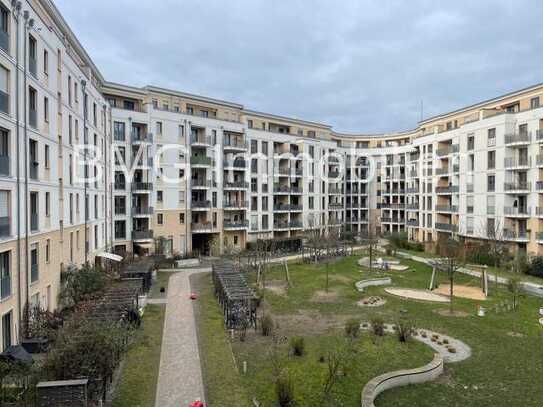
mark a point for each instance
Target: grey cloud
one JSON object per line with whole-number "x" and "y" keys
{"x": 361, "y": 66}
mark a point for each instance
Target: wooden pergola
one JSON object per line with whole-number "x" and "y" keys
{"x": 238, "y": 301}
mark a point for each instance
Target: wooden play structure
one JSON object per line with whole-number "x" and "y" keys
{"x": 478, "y": 272}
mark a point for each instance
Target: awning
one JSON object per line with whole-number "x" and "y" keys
{"x": 110, "y": 256}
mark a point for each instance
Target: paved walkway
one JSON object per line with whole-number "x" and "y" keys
{"x": 180, "y": 377}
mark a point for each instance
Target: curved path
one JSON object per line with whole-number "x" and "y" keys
{"x": 180, "y": 376}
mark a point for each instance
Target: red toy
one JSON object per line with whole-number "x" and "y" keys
{"x": 197, "y": 403}
{"x": 194, "y": 296}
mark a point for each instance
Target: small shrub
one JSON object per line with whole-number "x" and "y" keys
{"x": 451, "y": 349}
{"x": 378, "y": 326}
{"x": 433, "y": 339}
{"x": 446, "y": 341}
{"x": 266, "y": 325}
{"x": 322, "y": 359}
{"x": 352, "y": 328}
{"x": 439, "y": 343}
{"x": 423, "y": 334}
{"x": 404, "y": 330}
{"x": 297, "y": 345}
{"x": 284, "y": 390}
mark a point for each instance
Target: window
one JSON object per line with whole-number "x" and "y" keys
{"x": 491, "y": 133}
{"x": 33, "y": 107}
{"x": 48, "y": 250}
{"x": 47, "y": 204}
{"x": 181, "y": 131}
{"x": 6, "y": 330}
{"x": 4, "y": 214}
{"x": 264, "y": 203}
{"x": 490, "y": 205}
{"x": 34, "y": 261}
{"x": 311, "y": 202}
{"x": 159, "y": 196}
{"x": 254, "y": 147}
{"x": 118, "y": 131}
{"x": 471, "y": 142}
{"x": 47, "y": 160}
{"x": 4, "y": 28}
{"x": 4, "y": 152}
{"x": 129, "y": 105}
{"x": 182, "y": 218}
{"x": 534, "y": 102}
{"x": 265, "y": 148}
{"x": 491, "y": 160}
{"x": 250, "y": 124}
{"x": 160, "y": 218}
{"x": 5, "y": 274}
{"x": 491, "y": 183}
{"x": 158, "y": 127}
{"x": 32, "y": 55}
{"x": 469, "y": 203}
{"x": 264, "y": 221}
{"x": 120, "y": 205}
{"x": 45, "y": 62}
{"x": 69, "y": 90}
{"x": 4, "y": 90}
{"x": 120, "y": 229}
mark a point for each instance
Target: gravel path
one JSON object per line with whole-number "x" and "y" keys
{"x": 180, "y": 377}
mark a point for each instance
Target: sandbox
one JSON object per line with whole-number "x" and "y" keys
{"x": 413, "y": 294}
{"x": 462, "y": 291}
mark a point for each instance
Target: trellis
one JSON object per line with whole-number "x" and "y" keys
{"x": 237, "y": 300}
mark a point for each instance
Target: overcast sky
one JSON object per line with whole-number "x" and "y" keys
{"x": 360, "y": 66}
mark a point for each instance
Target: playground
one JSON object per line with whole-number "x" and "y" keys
{"x": 238, "y": 372}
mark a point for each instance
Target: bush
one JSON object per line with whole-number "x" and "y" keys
{"x": 297, "y": 345}
{"x": 352, "y": 328}
{"x": 266, "y": 325}
{"x": 378, "y": 326}
{"x": 284, "y": 390}
{"x": 404, "y": 330}
{"x": 534, "y": 268}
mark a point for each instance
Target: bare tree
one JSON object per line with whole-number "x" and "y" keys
{"x": 450, "y": 251}
{"x": 495, "y": 234}
{"x": 370, "y": 238}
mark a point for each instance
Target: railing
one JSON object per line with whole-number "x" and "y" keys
{"x": 446, "y": 208}
{"x": 392, "y": 206}
{"x": 280, "y": 225}
{"x": 236, "y": 205}
{"x": 137, "y": 137}
{"x": 120, "y": 186}
{"x": 447, "y": 190}
{"x": 335, "y": 191}
{"x": 204, "y": 183}
{"x": 448, "y": 227}
{"x": 201, "y": 140}
{"x": 142, "y": 186}
{"x": 412, "y": 190}
{"x": 4, "y": 226}
{"x": 235, "y": 224}
{"x": 510, "y": 162}
{"x": 237, "y": 185}
{"x": 412, "y": 207}
{"x": 333, "y": 174}
{"x": 242, "y": 145}
{"x": 4, "y": 101}
{"x": 142, "y": 234}
{"x": 34, "y": 222}
{"x": 335, "y": 205}
{"x": 516, "y": 186}
{"x": 514, "y": 211}
{"x": 296, "y": 224}
{"x": 200, "y": 160}
{"x": 412, "y": 222}
{"x": 142, "y": 210}
{"x": 287, "y": 207}
{"x": 201, "y": 204}
{"x": 523, "y": 137}
{"x": 516, "y": 235}
{"x": 238, "y": 163}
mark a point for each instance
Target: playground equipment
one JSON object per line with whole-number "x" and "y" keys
{"x": 478, "y": 272}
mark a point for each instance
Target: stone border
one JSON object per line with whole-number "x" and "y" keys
{"x": 360, "y": 285}
{"x": 386, "y": 381}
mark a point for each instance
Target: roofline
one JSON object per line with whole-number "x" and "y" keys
{"x": 120, "y": 86}
{"x": 406, "y": 133}
{"x": 480, "y": 104}
{"x": 290, "y": 119}
{"x": 57, "y": 17}
{"x": 193, "y": 96}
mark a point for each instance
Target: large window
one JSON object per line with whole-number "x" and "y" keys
{"x": 32, "y": 55}
{"x": 4, "y": 152}
{"x": 6, "y": 330}
{"x": 4, "y": 28}
{"x": 4, "y": 90}
{"x": 5, "y": 274}
{"x": 4, "y": 214}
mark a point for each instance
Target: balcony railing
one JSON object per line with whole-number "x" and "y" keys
{"x": 201, "y": 204}
{"x": 200, "y": 160}
{"x": 516, "y": 235}
{"x": 447, "y": 190}
{"x": 287, "y": 207}
{"x": 296, "y": 224}
{"x": 238, "y": 163}
{"x": 235, "y": 144}
{"x": 412, "y": 190}
{"x": 280, "y": 225}
{"x": 386, "y": 205}
{"x": 514, "y": 211}
{"x": 412, "y": 207}
{"x": 516, "y": 186}
{"x": 446, "y": 208}
{"x": 236, "y": 185}
{"x": 412, "y": 222}
{"x": 235, "y": 224}
{"x": 511, "y": 162}
{"x": 142, "y": 234}
{"x": 202, "y": 183}
{"x": 120, "y": 186}
{"x": 201, "y": 140}
{"x": 236, "y": 205}
{"x": 142, "y": 186}
{"x": 138, "y": 137}
{"x": 142, "y": 210}
{"x": 517, "y": 138}
{"x": 448, "y": 227}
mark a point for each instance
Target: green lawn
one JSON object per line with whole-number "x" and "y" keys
{"x": 137, "y": 387}
{"x": 505, "y": 369}
{"x": 162, "y": 279}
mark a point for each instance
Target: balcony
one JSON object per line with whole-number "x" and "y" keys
{"x": 516, "y": 236}
{"x": 142, "y": 186}
{"x": 142, "y": 210}
{"x": 241, "y": 224}
{"x": 445, "y": 151}
{"x": 515, "y": 212}
{"x": 282, "y": 172}
{"x": 200, "y": 160}
{"x": 335, "y": 205}
{"x": 201, "y": 183}
{"x": 236, "y": 185}
{"x": 4, "y": 226}
{"x": 237, "y": 164}
{"x": 335, "y": 191}
{"x": 386, "y": 205}
{"x": 200, "y": 205}
{"x": 138, "y": 138}
{"x": 287, "y": 208}
{"x": 516, "y": 187}
{"x": 412, "y": 207}
{"x": 296, "y": 224}
{"x": 452, "y": 189}
{"x": 446, "y": 208}
{"x": 517, "y": 139}
{"x": 142, "y": 234}
{"x": 120, "y": 186}
{"x": 446, "y": 227}
{"x": 333, "y": 174}
{"x": 516, "y": 163}
{"x": 412, "y": 222}
{"x": 280, "y": 225}
{"x": 413, "y": 190}
{"x": 201, "y": 141}
{"x": 233, "y": 144}
{"x": 236, "y": 205}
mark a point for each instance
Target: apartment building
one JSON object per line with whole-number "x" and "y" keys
{"x": 171, "y": 172}
{"x": 50, "y": 102}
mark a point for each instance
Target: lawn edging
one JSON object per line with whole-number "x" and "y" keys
{"x": 379, "y": 384}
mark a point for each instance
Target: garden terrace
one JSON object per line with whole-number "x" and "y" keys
{"x": 237, "y": 299}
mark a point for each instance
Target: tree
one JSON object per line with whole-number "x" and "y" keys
{"x": 370, "y": 238}
{"x": 450, "y": 250}
{"x": 82, "y": 285}
{"x": 497, "y": 244}
{"x": 514, "y": 285}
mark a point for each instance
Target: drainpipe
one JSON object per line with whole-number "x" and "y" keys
{"x": 86, "y": 169}
{"x": 16, "y": 14}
